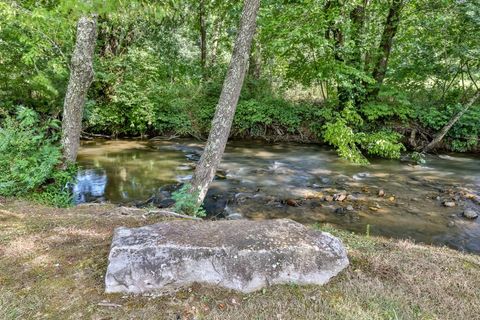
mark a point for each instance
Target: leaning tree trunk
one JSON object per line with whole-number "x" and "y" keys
{"x": 441, "y": 134}
{"x": 81, "y": 76}
{"x": 389, "y": 31}
{"x": 227, "y": 103}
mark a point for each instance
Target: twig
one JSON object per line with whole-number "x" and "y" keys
{"x": 109, "y": 304}
{"x": 172, "y": 214}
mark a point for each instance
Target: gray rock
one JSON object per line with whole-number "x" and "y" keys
{"x": 449, "y": 204}
{"x": 234, "y": 216}
{"x": 470, "y": 213}
{"x": 243, "y": 255}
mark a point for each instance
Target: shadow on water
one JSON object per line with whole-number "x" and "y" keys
{"x": 267, "y": 181}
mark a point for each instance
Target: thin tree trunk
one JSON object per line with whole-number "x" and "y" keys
{"x": 227, "y": 104}
{"x": 255, "y": 62}
{"x": 334, "y": 33}
{"x": 441, "y": 134}
{"x": 217, "y": 29}
{"x": 81, "y": 76}
{"x": 203, "y": 37}
{"x": 391, "y": 27}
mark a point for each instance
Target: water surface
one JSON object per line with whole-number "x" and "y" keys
{"x": 260, "y": 181}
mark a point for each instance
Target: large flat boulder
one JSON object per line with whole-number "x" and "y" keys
{"x": 242, "y": 255}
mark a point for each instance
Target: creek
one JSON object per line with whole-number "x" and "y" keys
{"x": 305, "y": 182}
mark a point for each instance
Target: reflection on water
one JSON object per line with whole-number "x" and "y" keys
{"x": 90, "y": 185}
{"x": 260, "y": 177}
{"x": 124, "y": 171}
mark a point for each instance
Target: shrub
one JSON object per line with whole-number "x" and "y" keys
{"x": 186, "y": 202}
{"x": 29, "y": 159}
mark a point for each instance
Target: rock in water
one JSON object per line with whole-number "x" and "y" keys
{"x": 470, "y": 213}
{"x": 241, "y": 255}
{"x": 449, "y": 204}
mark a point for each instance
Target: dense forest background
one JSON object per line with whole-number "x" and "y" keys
{"x": 371, "y": 78}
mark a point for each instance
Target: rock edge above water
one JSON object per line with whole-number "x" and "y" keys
{"x": 242, "y": 255}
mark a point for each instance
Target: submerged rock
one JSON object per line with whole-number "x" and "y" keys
{"x": 449, "y": 204}
{"x": 241, "y": 255}
{"x": 470, "y": 213}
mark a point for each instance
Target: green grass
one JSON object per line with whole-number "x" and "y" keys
{"x": 52, "y": 263}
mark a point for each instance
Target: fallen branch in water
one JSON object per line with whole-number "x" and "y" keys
{"x": 86, "y": 135}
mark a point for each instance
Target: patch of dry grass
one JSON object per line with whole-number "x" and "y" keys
{"x": 52, "y": 263}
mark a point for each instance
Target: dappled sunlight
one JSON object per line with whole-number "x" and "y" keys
{"x": 76, "y": 232}
{"x": 23, "y": 247}
{"x": 42, "y": 260}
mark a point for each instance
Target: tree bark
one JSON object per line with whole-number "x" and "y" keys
{"x": 389, "y": 32}
{"x": 81, "y": 76}
{"x": 334, "y": 33}
{"x": 227, "y": 103}
{"x": 255, "y": 62}
{"x": 441, "y": 134}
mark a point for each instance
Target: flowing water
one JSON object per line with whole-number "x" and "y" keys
{"x": 258, "y": 180}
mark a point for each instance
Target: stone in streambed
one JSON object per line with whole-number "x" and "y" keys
{"x": 470, "y": 213}
{"x": 449, "y": 204}
{"x": 242, "y": 255}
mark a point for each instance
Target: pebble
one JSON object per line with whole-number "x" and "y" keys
{"x": 349, "y": 208}
{"x": 328, "y": 198}
{"x": 449, "y": 204}
{"x": 381, "y": 193}
{"x": 351, "y": 198}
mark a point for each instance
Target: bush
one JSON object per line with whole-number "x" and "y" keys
{"x": 186, "y": 202}
{"x": 29, "y": 158}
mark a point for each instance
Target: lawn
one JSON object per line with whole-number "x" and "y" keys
{"x": 52, "y": 264}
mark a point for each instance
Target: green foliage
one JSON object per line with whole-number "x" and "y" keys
{"x": 186, "y": 202}
{"x": 350, "y": 143}
{"x": 464, "y": 135}
{"x": 149, "y": 79}
{"x": 342, "y": 137}
{"x": 390, "y": 105}
{"x": 418, "y": 157}
{"x": 29, "y": 157}
{"x": 382, "y": 144}
{"x": 57, "y": 191}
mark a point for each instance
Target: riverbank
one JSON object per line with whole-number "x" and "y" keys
{"x": 52, "y": 263}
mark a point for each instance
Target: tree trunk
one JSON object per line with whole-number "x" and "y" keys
{"x": 81, "y": 76}
{"x": 358, "y": 17}
{"x": 334, "y": 33}
{"x": 438, "y": 138}
{"x": 255, "y": 62}
{"x": 227, "y": 103}
{"x": 391, "y": 27}
{"x": 203, "y": 37}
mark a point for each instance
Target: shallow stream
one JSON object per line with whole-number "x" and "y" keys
{"x": 258, "y": 180}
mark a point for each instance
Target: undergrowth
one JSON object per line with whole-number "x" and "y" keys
{"x": 30, "y": 158}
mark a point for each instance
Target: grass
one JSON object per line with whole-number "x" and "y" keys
{"x": 52, "y": 263}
